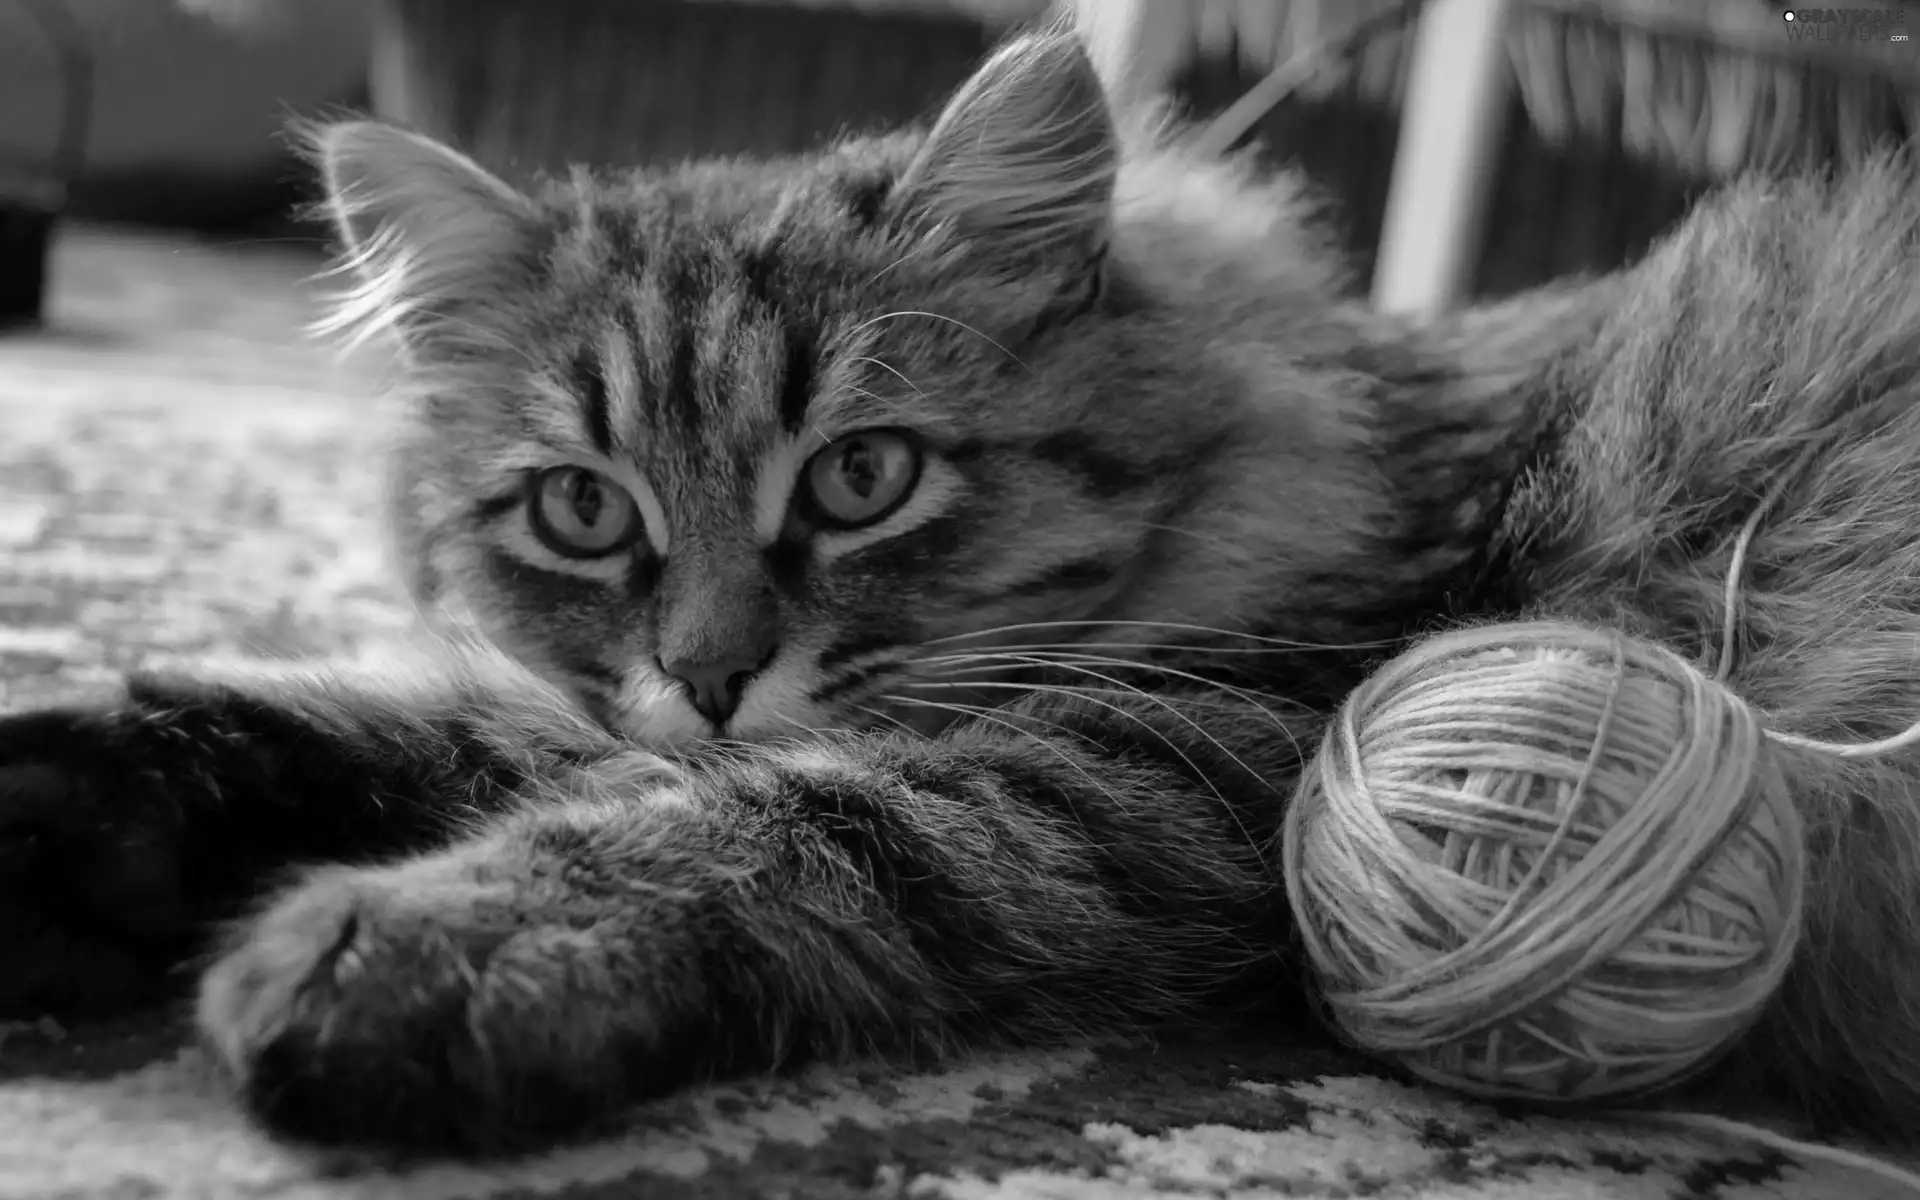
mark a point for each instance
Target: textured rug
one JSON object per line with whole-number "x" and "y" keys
{"x": 182, "y": 477}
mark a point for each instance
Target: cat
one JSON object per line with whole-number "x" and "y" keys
{"x": 886, "y": 596}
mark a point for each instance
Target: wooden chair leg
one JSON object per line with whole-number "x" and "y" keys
{"x": 1450, "y": 133}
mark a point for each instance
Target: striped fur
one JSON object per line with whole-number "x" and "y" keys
{"x": 1015, "y": 766}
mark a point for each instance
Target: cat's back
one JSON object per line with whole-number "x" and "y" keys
{"x": 1775, "y": 333}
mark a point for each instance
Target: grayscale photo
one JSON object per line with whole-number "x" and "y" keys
{"x": 959, "y": 600}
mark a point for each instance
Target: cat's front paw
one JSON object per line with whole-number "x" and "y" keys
{"x": 93, "y": 914}
{"x": 482, "y": 1000}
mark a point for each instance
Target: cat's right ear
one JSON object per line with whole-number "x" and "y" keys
{"x": 1023, "y": 159}
{"x": 432, "y": 239}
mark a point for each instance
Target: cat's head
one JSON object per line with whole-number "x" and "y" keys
{"x": 736, "y": 448}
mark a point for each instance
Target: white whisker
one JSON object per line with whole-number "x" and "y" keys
{"x": 933, "y": 316}
{"x": 1210, "y": 540}
{"x": 1068, "y": 658}
{"x": 890, "y": 369}
{"x": 1117, "y": 710}
{"x": 1242, "y": 694}
{"x": 883, "y": 272}
{"x": 988, "y": 715}
{"x": 1143, "y": 647}
{"x": 887, "y": 716}
{"x": 1177, "y": 626}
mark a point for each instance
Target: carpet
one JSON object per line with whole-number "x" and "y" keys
{"x": 182, "y": 477}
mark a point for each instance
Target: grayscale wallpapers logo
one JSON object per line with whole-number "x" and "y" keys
{"x": 1846, "y": 24}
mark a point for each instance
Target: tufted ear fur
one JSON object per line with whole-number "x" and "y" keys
{"x": 432, "y": 239}
{"x": 1022, "y": 161}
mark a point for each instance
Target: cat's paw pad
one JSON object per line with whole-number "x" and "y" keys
{"x": 422, "y": 1007}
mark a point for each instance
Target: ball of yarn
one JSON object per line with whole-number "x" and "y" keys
{"x": 1545, "y": 861}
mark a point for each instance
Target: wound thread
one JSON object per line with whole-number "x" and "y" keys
{"x": 1550, "y": 861}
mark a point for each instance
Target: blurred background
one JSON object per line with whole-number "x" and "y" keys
{"x": 1612, "y": 114}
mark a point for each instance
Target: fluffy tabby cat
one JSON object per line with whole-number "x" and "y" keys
{"x": 978, "y": 524}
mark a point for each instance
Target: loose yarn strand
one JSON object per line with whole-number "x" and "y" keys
{"x": 1906, "y": 739}
{"x": 1910, "y": 737}
{"x": 1737, "y": 568}
{"x": 1729, "y": 632}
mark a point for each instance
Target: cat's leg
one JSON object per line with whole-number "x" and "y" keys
{"x": 129, "y": 826}
{"x": 1047, "y": 873}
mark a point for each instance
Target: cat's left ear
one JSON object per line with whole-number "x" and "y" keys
{"x": 437, "y": 243}
{"x": 1022, "y": 161}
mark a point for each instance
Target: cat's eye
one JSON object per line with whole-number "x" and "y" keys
{"x": 861, "y": 478}
{"x": 580, "y": 513}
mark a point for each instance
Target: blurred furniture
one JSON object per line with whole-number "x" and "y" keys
{"x": 185, "y": 113}
{"x": 1619, "y": 113}
{"x": 1443, "y": 172}
{"x": 29, "y": 209}
{"x": 33, "y": 189}
{"x": 530, "y": 85}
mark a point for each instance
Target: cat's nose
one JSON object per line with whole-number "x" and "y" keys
{"x": 714, "y": 685}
